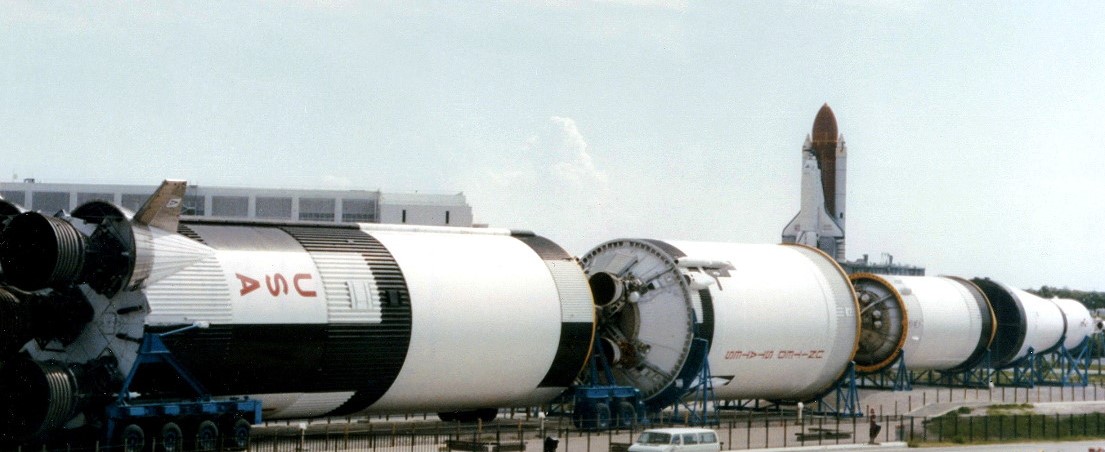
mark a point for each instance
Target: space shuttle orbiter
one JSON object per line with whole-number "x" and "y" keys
{"x": 820, "y": 221}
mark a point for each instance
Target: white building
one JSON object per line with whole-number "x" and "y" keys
{"x": 358, "y": 206}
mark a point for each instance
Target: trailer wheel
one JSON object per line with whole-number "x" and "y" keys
{"x": 207, "y": 436}
{"x": 172, "y": 438}
{"x": 627, "y": 414}
{"x": 133, "y": 438}
{"x": 237, "y": 437}
{"x": 602, "y": 416}
{"x": 583, "y": 416}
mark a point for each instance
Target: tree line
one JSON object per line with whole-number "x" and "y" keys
{"x": 1092, "y": 300}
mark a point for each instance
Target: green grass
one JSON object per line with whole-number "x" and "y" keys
{"x": 1008, "y": 426}
{"x": 1009, "y": 409}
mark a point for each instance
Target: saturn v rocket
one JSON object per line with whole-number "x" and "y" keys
{"x": 312, "y": 319}
{"x": 820, "y": 220}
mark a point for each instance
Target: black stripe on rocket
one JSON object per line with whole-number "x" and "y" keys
{"x": 575, "y": 337}
{"x": 365, "y": 358}
{"x": 289, "y": 358}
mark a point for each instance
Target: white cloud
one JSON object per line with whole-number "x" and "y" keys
{"x": 576, "y": 167}
{"x": 676, "y": 5}
{"x": 334, "y": 182}
{"x": 550, "y": 184}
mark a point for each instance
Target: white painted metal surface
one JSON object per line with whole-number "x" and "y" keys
{"x": 1045, "y": 323}
{"x": 300, "y": 405}
{"x": 809, "y": 304}
{"x": 781, "y": 320}
{"x": 1080, "y": 324}
{"x": 946, "y": 321}
{"x": 486, "y": 322}
{"x": 947, "y": 324}
{"x": 1025, "y": 322}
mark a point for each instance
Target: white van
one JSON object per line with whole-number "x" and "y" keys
{"x": 677, "y": 440}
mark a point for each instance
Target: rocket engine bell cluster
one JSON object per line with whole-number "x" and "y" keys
{"x": 331, "y": 319}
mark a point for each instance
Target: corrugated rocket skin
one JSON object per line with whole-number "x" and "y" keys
{"x": 577, "y": 327}
{"x": 363, "y": 357}
{"x": 317, "y": 356}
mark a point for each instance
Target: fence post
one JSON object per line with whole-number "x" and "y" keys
{"x": 1056, "y": 425}
{"x": 767, "y": 432}
{"x": 731, "y": 420}
{"x": 971, "y": 428}
{"x": 610, "y": 433}
{"x": 821, "y": 427}
{"x": 939, "y": 429}
{"x": 589, "y": 440}
{"x": 748, "y": 431}
{"x": 837, "y": 439}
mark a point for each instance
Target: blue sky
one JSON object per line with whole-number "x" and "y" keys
{"x": 976, "y": 130}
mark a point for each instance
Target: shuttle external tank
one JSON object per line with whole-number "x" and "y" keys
{"x": 1025, "y": 322}
{"x": 777, "y": 322}
{"x": 938, "y": 323}
{"x": 312, "y": 319}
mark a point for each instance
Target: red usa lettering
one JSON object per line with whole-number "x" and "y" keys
{"x": 277, "y": 284}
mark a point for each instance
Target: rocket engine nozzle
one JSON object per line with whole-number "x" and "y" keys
{"x": 45, "y": 316}
{"x": 15, "y": 328}
{"x": 606, "y": 288}
{"x": 39, "y": 252}
{"x": 38, "y": 397}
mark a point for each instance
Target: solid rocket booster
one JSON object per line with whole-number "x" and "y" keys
{"x": 820, "y": 220}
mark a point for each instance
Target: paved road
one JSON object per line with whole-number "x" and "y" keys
{"x": 1079, "y": 446}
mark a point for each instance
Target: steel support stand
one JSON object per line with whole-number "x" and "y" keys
{"x": 702, "y": 405}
